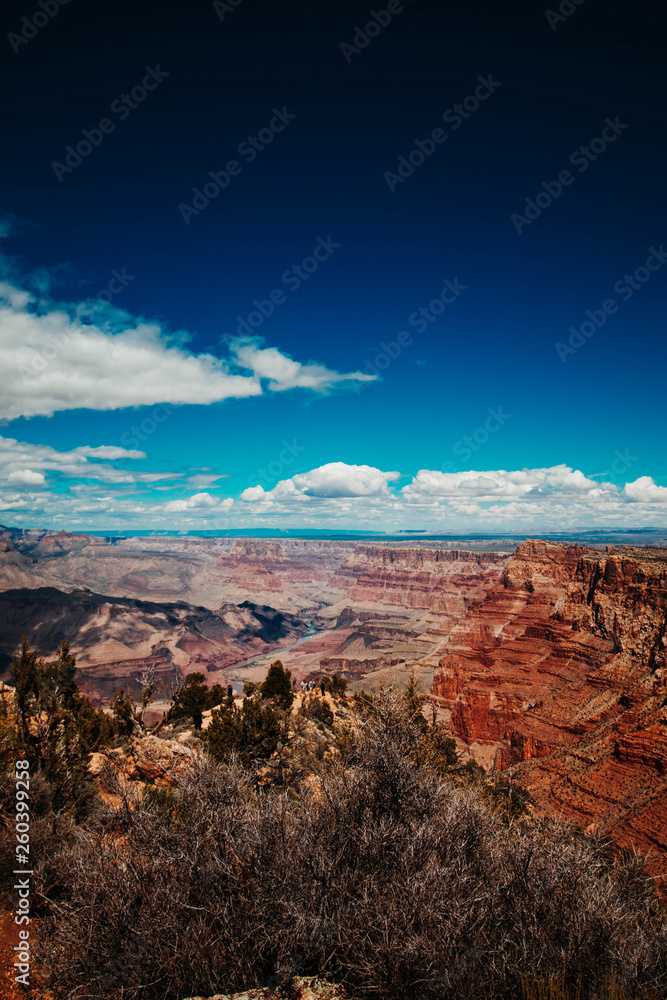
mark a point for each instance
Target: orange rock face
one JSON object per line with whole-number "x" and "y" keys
{"x": 563, "y": 668}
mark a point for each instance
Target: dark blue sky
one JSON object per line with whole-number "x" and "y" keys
{"x": 325, "y": 175}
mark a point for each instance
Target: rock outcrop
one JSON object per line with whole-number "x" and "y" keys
{"x": 148, "y": 759}
{"x": 562, "y": 669}
{"x": 299, "y": 989}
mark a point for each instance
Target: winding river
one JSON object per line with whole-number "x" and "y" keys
{"x": 242, "y": 671}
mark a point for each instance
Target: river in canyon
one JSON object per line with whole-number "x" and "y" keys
{"x": 255, "y": 667}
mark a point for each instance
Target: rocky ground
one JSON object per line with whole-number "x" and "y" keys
{"x": 299, "y": 989}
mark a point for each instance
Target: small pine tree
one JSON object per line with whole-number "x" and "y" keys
{"x": 24, "y": 671}
{"x": 278, "y": 686}
{"x": 415, "y": 704}
{"x": 190, "y": 699}
{"x": 124, "y": 712}
{"x": 57, "y": 727}
{"x": 65, "y": 672}
{"x": 252, "y": 732}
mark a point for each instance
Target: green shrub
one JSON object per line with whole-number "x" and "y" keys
{"x": 278, "y": 686}
{"x": 194, "y": 697}
{"x": 336, "y": 685}
{"x": 251, "y": 732}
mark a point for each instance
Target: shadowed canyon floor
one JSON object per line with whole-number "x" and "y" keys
{"x": 550, "y": 661}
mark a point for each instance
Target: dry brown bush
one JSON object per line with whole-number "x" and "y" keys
{"x": 388, "y": 879}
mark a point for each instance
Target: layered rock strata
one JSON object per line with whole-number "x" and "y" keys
{"x": 562, "y": 668}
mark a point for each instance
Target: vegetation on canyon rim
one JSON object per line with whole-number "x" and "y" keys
{"x": 380, "y": 862}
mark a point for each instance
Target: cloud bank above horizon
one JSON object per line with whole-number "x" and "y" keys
{"x": 90, "y": 487}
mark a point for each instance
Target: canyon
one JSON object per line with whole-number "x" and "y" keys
{"x": 116, "y": 640}
{"x": 548, "y": 662}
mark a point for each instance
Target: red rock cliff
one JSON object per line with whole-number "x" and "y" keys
{"x": 563, "y": 667}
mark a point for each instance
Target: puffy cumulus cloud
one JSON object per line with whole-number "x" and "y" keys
{"x": 254, "y": 493}
{"x": 26, "y": 477}
{"x": 62, "y": 356}
{"x": 198, "y": 501}
{"x": 485, "y": 487}
{"x": 526, "y": 500}
{"x": 334, "y": 480}
{"x": 336, "y": 495}
{"x": 644, "y": 490}
{"x": 284, "y": 373}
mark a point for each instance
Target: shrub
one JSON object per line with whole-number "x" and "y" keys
{"x": 314, "y": 707}
{"x": 336, "y": 685}
{"x": 384, "y": 877}
{"x": 278, "y": 686}
{"x": 55, "y": 726}
{"x": 193, "y": 697}
{"x": 252, "y": 733}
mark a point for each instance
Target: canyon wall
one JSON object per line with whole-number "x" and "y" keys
{"x": 115, "y": 640}
{"x": 436, "y": 579}
{"x": 289, "y": 574}
{"x": 560, "y": 674}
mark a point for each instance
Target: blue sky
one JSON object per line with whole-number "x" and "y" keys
{"x": 538, "y": 207}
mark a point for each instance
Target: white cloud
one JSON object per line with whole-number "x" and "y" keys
{"x": 198, "y": 501}
{"x": 336, "y": 479}
{"x": 485, "y": 487}
{"x": 284, "y": 373}
{"x": 109, "y": 452}
{"x": 54, "y": 358}
{"x": 525, "y": 500}
{"x": 254, "y": 493}
{"x": 26, "y": 477}
{"x": 340, "y": 480}
{"x": 644, "y": 490}
{"x": 92, "y": 492}
{"x": 20, "y": 463}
